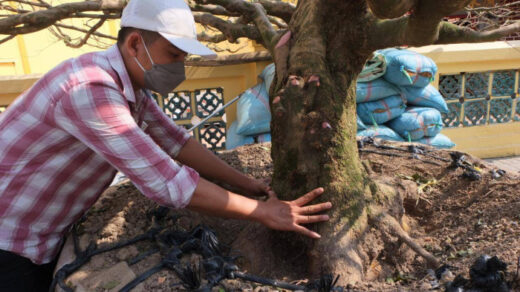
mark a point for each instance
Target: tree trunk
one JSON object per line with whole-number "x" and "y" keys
{"x": 314, "y": 129}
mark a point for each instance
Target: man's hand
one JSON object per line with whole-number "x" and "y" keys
{"x": 211, "y": 199}
{"x": 258, "y": 188}
{"x": 289, "y": 215}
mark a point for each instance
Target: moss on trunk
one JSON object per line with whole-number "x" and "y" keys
{"x": 314, "y": 129}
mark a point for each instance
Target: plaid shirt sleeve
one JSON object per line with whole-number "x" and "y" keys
{"x": 98, "y": 115}
{"x": 163, "y": 130}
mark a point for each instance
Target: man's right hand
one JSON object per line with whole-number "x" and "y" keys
{"x": 211, "y": 199}
{"x": 289, "y": 215}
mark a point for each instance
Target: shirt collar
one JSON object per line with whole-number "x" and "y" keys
{"x": 116, "y": 61}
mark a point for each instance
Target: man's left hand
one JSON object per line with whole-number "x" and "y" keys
{"x": 258, "y": 188}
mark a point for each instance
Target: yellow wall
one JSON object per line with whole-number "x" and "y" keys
{"x": 39, "y": 52}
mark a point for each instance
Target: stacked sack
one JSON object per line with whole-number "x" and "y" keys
{"x": 398, "y": 102}
{"x": 253, "y": 114}
{"x": 395, "y": 101}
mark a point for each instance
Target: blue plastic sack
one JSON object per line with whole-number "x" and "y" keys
{"x": 380, "y": 131}
{"x": 267, "y": 75}
{"x": 360, "y": 124}
{"x": 407, "y": 68}
{"x": 234, "y": 140}
{"x": 439, "y": 141}
{"x": 417, "y": 122}
{"x": 262, "y": 138}
{"x": 380, "y": 111}
{"x": 427, "y": 97}
{"x": 253, "y": 114}
{"x": 374, "y": 68}
{"x": 374, "y": 90}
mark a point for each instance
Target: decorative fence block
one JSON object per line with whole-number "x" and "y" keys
{"x": 480, "y": 97}
{"x": 477, "y": 85}
{"x": 503, "y": 83}
{"x": 208, "y": 100}
{"x": 177, "y": 105}
{"x": 450, "y": 86}
{"x": 452, "y": 118}
{"x": 475, "y": 113}
{"x": 500, "y": 110}
{"x": 181, "y": 106}
{"x": 213, "y": 135}
{"x": 517, "y": 112}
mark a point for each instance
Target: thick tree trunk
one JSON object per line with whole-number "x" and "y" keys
{"x": 314, "y": 128}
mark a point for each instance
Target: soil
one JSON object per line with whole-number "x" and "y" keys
{"x": 453, "y": 217}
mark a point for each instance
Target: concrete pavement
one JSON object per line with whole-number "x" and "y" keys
{"x": 509, "y": 164}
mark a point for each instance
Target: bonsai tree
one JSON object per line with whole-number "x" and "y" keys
{"x": 319, "y": 47}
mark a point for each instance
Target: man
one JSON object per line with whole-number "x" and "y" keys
{"x": 62, "y": 141}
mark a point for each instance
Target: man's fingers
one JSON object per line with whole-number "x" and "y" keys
{"x": 266, "y": 181}
{"x": 308, "y": 197}
{"x": 306, "y": 232}
{"x": 315, "y": 208}
{"x": 271, "y": 194}
{"x": 312, "y": 219}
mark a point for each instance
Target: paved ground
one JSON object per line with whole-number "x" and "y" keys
{"x": 510, "y": 164}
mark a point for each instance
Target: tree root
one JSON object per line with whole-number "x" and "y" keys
{"x": 389, "y": 225}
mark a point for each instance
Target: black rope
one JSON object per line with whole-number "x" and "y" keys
{"x": 415, "y": 150}
{"x": 459, "y": 161}
{"x": 264, "y": 281}
{"x": 142, "y": 256}
{"x": 173, "y": 244}
{"x": 82, "y": 257}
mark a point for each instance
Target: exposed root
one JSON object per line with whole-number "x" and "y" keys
{"x": 389, "y": 225}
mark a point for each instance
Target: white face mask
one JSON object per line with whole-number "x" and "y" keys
{"x": 162, "y": 78}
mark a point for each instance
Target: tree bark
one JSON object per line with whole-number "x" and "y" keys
{"x": 314, "y": 129}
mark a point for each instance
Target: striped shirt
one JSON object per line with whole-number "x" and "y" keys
{"x": 62, "y": 141}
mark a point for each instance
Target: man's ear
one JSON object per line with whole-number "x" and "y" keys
{"x": 132, "y": 42}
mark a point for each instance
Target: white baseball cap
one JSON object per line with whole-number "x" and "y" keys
{"x": 170, "y": 18}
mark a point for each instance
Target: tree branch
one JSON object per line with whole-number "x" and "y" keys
{"x": 387, "y": 33}
{"x": 279, "y": 9}
{"x": 90, "y": 15}
{"x": 277, "y": 21}
{"x": 213, "y": 9}
{"x": 419, "y": 28}
{"x": 451, "y": 33}
{"x": 390, "y": 8}
{"x": 37, "y": 20}
{"x": 253, "y": 11}
{"x": 232, "y": 31}
{"x": 87, "y": 35}
{"x": 98, "y": 34}
{"x": 205, "y": 37}
{"x": 34, "y": 4}
{"x": 230, "y": 59}
{"x": 504, "y": 5}
{"x": 6, "y": 39}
